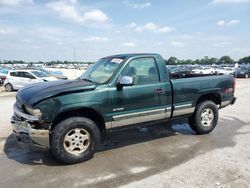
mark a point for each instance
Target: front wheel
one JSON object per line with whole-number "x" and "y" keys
{"x": 75, "y": 140}
{"x": 205, "y": 117}
{"x": 246, "y": 75}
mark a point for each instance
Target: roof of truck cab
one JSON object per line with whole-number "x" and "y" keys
{"x": 124, "y": 56}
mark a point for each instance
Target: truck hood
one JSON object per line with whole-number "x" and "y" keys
{"x": 34, "y": 93}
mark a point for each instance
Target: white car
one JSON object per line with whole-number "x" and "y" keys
{"x": 203, "y": 70}
{"x": 224, "y": 70}
{"x": 16, "y": 79}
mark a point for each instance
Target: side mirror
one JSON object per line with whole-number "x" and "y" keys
{"x": 125, "y": 81}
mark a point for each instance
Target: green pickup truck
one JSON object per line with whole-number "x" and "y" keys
{"x": 69, "y": 116}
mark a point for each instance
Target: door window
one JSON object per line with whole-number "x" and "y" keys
{"x": 143, "y": 71}
{"x": 27, "y": 75}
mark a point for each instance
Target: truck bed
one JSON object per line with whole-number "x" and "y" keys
{"x": 187, "y": 91}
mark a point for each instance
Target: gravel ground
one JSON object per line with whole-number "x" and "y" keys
{"x": 156, "y": 155}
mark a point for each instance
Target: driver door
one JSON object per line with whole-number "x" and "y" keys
{"x": 145, "y": 100}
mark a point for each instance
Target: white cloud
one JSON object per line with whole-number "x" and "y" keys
{"x": 139, "y": 29}
{"x": 244, "y": 50}
{"x": 128, "y": 44}
{"x": 233, "y": 22}
{"x": 177, "y": 44}
{"x": 221, "y": 23}
{"x": 6, "y": 30}
{"x": 152, "y": 27}
{"x": 132, "y": 25}
{"x": 96, "y": 39}
{"x": 73, "y": 1}
{"x": 69, "y": 11}
{"x": 139, "y": 6}
{"x": 16, "y": 2}
{"x": 3, "y": 31}
{"x": 230, "y": 1}
{"x": 95, "y": 16}
{"x": 222, "y": 44}
{"x": 165, "y": 29}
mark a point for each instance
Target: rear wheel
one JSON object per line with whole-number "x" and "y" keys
{"x": 246, "y": 75}
{"x": 8, "y": 87}
{"x": 75, "y": 140}
{"x": 205, "y": 118}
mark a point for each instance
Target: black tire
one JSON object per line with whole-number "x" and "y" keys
{"x": 8, "y": 87}
{"x": 204, "y": 125}
{"x": 59, "y": 146}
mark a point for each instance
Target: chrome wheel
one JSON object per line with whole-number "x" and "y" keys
{"x": 76, "y": 141}
{"x": 207, "y": 117}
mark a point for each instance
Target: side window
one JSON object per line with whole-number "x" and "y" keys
{"x": 27, "y": 75}
{"x": 15, "y": 74}
{"x": 143, "y": 71}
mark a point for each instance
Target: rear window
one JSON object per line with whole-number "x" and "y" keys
{"x": 15, "y": 74}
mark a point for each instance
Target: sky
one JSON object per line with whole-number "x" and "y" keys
{"x": 46, "y": 30}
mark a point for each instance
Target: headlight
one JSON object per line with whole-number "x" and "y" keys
{"x": 34, "y": 112}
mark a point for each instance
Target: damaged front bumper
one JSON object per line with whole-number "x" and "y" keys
{"x": 25, "y": 131}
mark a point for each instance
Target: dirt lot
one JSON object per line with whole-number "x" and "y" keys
{"x": 159, "y": 155}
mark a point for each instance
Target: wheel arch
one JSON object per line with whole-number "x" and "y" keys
{"x": 86, "y": 112}
{"x": 214, "y": 97}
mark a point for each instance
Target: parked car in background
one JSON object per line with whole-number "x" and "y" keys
{"x": 2, "y": 79}
{"x": 178, "y": 71}
{"x": 203, "y": 70}
{"x": 57, "y": 74}
{"x": 3, "y": 74}
{"x": 242, "y": 72}
{"x": 230, "y": 70}
{"x": 222, "y": 70}
{"x": 16, "y": 79}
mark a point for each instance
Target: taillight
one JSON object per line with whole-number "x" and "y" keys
{"x": 234, "y": 84}
{"x": 3, "y": 78}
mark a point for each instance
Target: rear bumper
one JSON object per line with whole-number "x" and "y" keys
{"x": 228, "y": 102}
{"x": 26, "y": 135}
{"x": 233, "y": 101}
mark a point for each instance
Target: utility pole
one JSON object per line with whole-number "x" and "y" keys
{"x": 75, "y": 60}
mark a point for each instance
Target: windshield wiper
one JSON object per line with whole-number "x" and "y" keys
{"x": 88, "y": 80}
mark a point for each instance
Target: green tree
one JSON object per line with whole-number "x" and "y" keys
{"x": 172, "y": 60}
{"x": 226, "y": 60}
{"x": 213, "y": 60}
{"x": 245, "y": 60}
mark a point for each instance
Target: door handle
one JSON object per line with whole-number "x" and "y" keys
{"x": 158, "y": 91}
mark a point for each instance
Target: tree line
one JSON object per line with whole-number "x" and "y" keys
{"x": 208, "y": 61}
{"x": 171, "y": 61}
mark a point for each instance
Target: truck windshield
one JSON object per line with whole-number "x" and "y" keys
{"x": 102, "y": 70}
